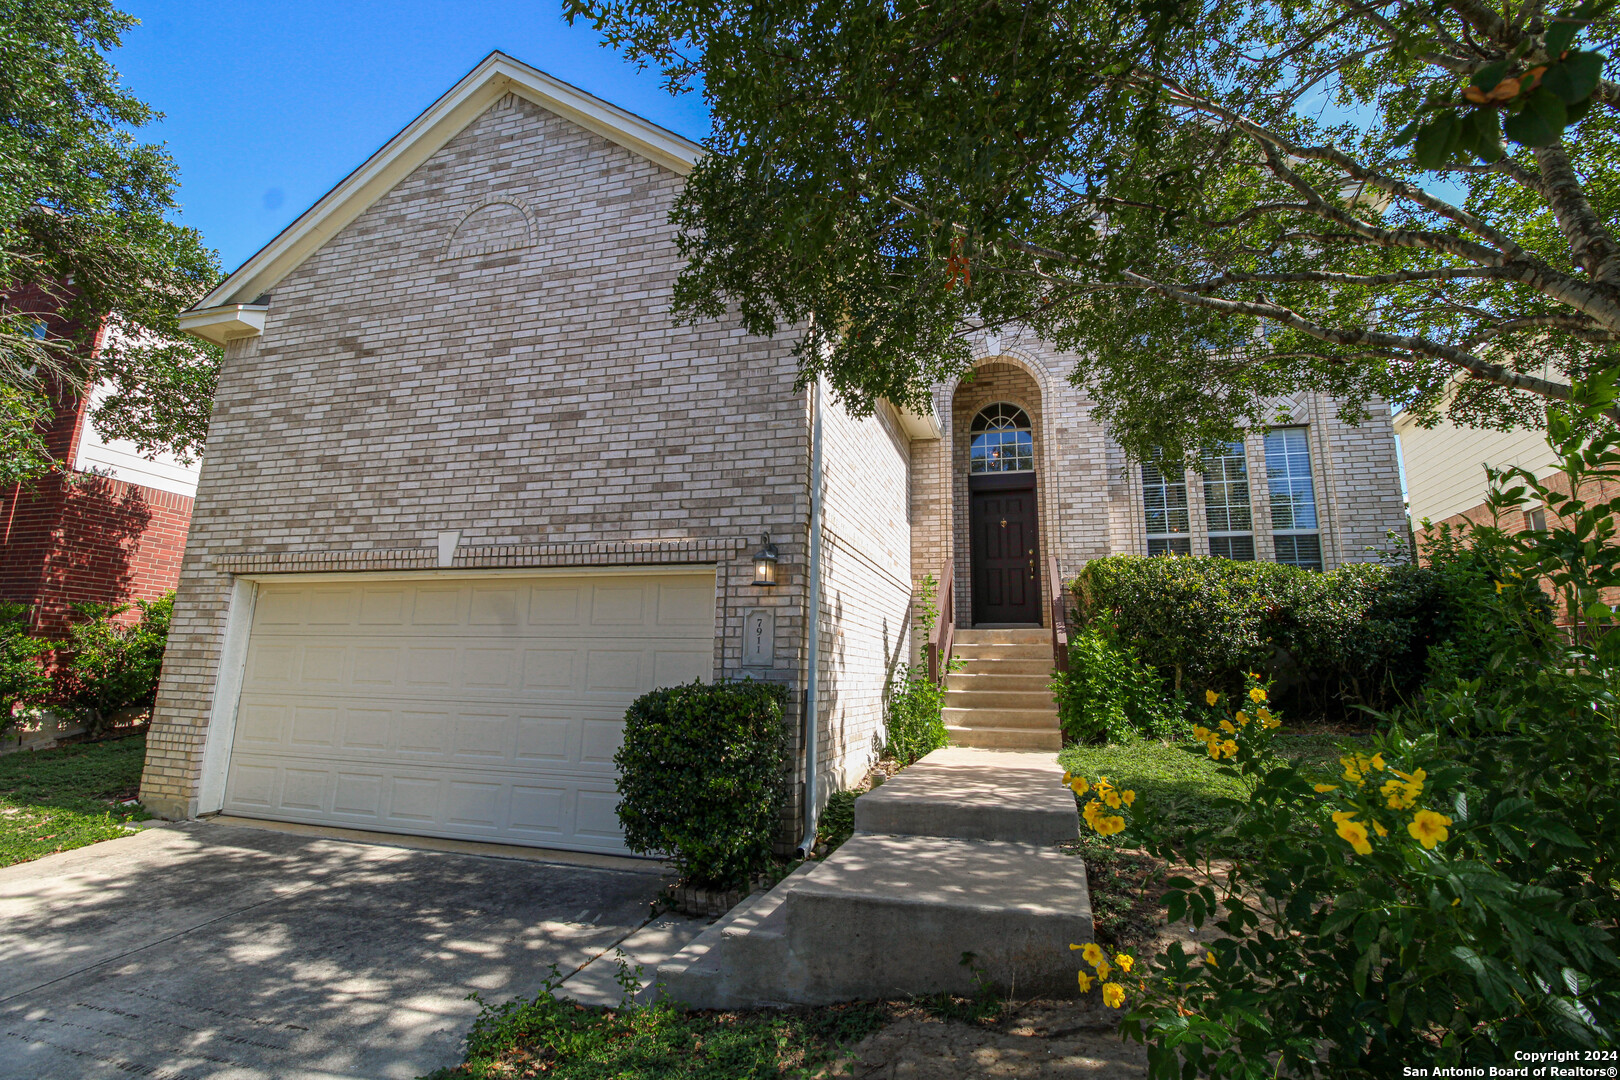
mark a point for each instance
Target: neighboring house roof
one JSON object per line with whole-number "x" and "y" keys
{"x": 234, "y": 308}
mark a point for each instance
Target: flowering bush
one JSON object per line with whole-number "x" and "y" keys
{"x": 1362, "y": 928}
{"x": 1108, "y": 695}
{"x": 1447, "y": 896}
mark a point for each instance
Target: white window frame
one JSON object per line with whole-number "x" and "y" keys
{"x": 1173, "y": 542}
{"x": 1233, "y": 450}
{"x": 1290, "y": 478}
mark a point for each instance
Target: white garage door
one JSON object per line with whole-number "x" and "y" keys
{"x": 482, "y": 709}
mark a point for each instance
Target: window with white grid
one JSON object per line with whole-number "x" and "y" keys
{"x": 1001, "y": 441}
{"x": 1164, "y": 499}
{"x": 1293, "y": 498}
{"x": 1226, "y": 503}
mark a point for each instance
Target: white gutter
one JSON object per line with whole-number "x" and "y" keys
{"x": 813, "y": 621}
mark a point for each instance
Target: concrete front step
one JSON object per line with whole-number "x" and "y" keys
{"x": 1006, "y": 738}
{"x": 998, "y": 666}
{"x": 995, "y": 679}
{"x": 891, "y": 916}
{"x": 1002, "y": 718}
{"x": 1034, "y": 635}
{"x": 1001, "y": 700}
{"x": 973, "y": 794}
{"x": 1002, "y": 652}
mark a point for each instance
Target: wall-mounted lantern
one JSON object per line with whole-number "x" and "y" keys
{"x": 765, "y": 562}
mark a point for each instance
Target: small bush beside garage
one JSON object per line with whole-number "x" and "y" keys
{"x": 702, "y": 778}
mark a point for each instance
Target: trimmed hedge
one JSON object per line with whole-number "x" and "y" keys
{"x": 702, "y": 778}
{"x": 1367, "y": 635}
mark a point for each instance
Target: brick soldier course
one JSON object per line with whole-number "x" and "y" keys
{"x": 462, "y": 361}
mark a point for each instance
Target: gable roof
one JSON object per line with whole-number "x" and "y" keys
{"x": 227, "y": 311}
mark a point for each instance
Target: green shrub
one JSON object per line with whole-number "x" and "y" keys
{"x": 22, "y": 675}
{"x": 1358, "y": 638}
{"x": 1108, "y": 695}
{"x": 914, "y": 717}
{"x": 702, "y": 778}
{"x": 1448, "y": 896}
{"x": 105, "y": 668}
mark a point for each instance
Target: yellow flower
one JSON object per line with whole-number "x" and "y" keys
{"x": 1242, "y": 718}
{"x": 1110, "y": 825}
{"x": 1124, "y": 960}
{"x": 1499, "y": 587}
{"x": 1263, "y": 713}
{"x": 1378, "y": 827}
{"x": 1257, "y": 695}
{"x": 1085, "y": 983}
{"x": 1080, "y": 785}
{"x": 1323, "y": 789}
{"x": 1354, "y": 833}
{"x": 1092, "y": 953}
{"x": 1111, "y": 797}
{"x": 1253, "y": 676}
{"x": 1128, "y": 797}
{"x": 1103, "y": 970}
{"x": 1067, "y": 777}
{"x": 1429, "y": 828}
{"x": 1229, "y": 748}
{"x": 1357, "y": 767}
{"x": 1271, "y": 722}
{"x": 1202, "y": 733}
{"x": 1211, "y": 697}
{"x": 1226, "y": 725}
{"x": 1113, "y": 995}
{"x": 1209, "y": 958}
{"x": 1405, "y": 792}
{"x": 1073, "y": 947}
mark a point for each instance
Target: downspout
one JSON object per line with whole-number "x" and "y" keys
{"x": 813, "y": 626}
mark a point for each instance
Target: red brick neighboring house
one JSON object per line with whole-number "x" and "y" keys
{"x": 110, "y": 529}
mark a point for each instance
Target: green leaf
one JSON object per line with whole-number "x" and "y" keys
{"x": 1482, "y": 133}
{"x": 1560, "y": 36}
{"x": 1436, "y": 141}
{"x": 1488, "y": 76}
{"x": 1575, "y": 77}
{"x": 1540, "y": 122}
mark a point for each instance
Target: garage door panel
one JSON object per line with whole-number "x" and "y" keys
{"x": 476, "y": 709}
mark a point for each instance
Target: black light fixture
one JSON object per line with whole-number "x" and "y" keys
{"x": 765, "y": 562}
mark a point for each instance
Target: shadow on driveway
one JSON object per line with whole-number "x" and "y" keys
{"x": 208, "y": 951}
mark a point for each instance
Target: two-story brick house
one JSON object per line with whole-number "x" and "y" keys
{"x": 469, "y": 490}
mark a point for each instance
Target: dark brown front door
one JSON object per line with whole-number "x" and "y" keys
{"x": 1006, "y": 554}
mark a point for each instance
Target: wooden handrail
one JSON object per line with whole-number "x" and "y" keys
{"x": 1060, "y": 612}
{"x": 939, "y": 642}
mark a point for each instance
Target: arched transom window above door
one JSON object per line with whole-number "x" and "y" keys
{"x": 1001, "y": 440}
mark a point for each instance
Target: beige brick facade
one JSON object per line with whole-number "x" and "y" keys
{"x": 486, "y": 350}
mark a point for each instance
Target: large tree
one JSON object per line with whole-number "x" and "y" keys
{"x": 86, "y": 232}
{"x": 1213, "y": 202}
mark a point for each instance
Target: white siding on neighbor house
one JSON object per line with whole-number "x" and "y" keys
{"x": 1445, "y": 465}
{"x": 122, "y": 460}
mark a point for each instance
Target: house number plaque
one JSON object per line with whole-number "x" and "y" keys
{"x": 759, "y": 638}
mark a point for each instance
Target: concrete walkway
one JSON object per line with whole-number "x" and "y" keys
{"x": 208, "y": 951}
{"x": 955, "y": 857}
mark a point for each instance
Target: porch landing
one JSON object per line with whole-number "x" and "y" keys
{"x": 966, "y": 862}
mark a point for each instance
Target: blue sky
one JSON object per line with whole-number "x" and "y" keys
{"x": 267, "y": 105}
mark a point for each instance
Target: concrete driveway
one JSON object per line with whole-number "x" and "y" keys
{"x": 212, "y": 951}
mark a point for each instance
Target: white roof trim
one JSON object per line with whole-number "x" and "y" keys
{"x": 918, "y": 425}
{"x": 497, "y": 76}
{"x": 221, "y": 324}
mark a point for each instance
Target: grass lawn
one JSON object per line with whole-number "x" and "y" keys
{"x": 564, "y": 1041}
{"x": 54, "y": 800}
{"x": 1179, "y": 779}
